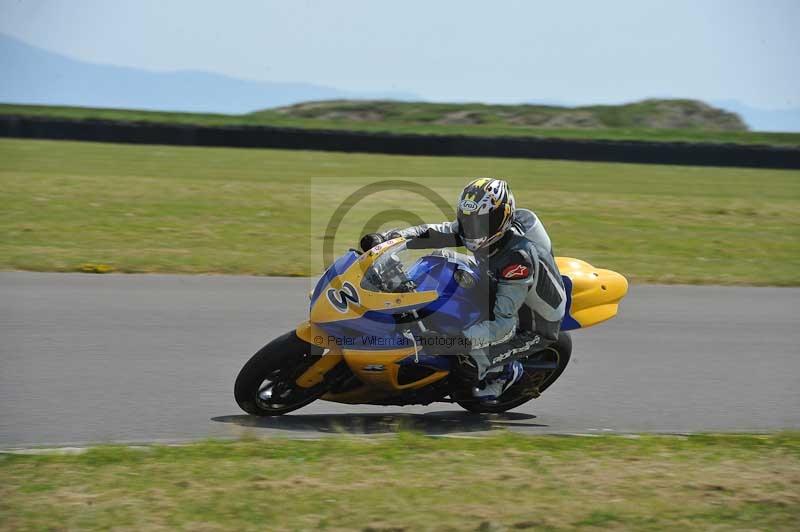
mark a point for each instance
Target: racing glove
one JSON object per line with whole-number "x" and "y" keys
{"x": 371, "y": 240}
{"x": 435, "y": 343}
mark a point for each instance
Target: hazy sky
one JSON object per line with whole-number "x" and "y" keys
{"x": 567, "y": 51}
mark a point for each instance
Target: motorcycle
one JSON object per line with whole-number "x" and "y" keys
{"x": 358, "y": 346}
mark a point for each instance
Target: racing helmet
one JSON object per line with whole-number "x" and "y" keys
{"x": 485, "y": 212}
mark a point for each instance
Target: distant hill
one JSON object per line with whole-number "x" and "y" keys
{"x": 648, "y": 114}
{"x": 31, "y": 75}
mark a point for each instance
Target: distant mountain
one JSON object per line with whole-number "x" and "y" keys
{"x": 764, "y": 119}
{"x": 32, "y": 75}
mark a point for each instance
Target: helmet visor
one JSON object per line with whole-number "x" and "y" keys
{"x": 475, "y": 226}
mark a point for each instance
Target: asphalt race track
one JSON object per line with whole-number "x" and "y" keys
{"x": 136, "y": 358}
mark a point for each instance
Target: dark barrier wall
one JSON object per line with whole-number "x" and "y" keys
{"x": 685, "y": 153}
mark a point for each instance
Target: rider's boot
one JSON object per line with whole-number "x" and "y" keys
{"x": 495, "y": 384}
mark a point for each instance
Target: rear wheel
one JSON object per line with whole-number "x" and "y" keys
{"x": 533, "y": 383}
{"x": 266, "y": 384}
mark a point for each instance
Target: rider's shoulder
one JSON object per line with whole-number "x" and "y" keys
{"x": 528, "y": 226}
{"x": 525, "y": 217}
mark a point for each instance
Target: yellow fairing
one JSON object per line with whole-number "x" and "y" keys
{"x": 379, "y": 368}
{"x": 314, "y": 335}
{"x": 596, "y": 293}
{"x": 324, "y": 311}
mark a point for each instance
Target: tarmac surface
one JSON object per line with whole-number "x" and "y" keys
{"x": 142, "y": 358}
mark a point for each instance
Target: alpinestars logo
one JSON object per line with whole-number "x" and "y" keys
{"x": 527, "y": 345}
{"x": 515, "y": 271}
{"x": 341, "y": 298}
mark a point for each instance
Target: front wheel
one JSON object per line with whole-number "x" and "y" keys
{"x": 533, "y": 383}
{"x": 266, "y": 384}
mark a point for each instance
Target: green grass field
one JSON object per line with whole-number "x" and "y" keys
{"x": 218, "y": 210}
{"x": 621, "y": 125}
{"x": 409, "y": 482}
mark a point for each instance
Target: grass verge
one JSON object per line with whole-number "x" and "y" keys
{"x": 421, "y": 120}
{"x": 410, "y": 482}
{"x": 74, "y": 206}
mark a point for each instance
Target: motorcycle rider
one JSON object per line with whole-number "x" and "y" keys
{"x": 526, "y": 294}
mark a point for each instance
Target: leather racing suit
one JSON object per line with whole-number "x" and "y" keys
{"x": 525, "y": 292}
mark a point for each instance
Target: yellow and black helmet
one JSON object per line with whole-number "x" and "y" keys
{"x": 485, "y": 212}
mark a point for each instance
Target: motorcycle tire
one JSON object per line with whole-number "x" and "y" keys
{"x": 520, "y": 393}
{"x": 278, "y": 364}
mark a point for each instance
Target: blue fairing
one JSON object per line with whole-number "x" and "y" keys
{"x": 337, "y": 268}
{"x": 457, "y": 307}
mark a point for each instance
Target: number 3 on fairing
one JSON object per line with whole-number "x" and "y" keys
{"x": 341, "y": 298}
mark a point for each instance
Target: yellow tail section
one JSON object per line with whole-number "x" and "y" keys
{"x": 596, "y": 293}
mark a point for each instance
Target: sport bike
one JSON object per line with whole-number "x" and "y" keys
{"x": 358, "y": 346}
